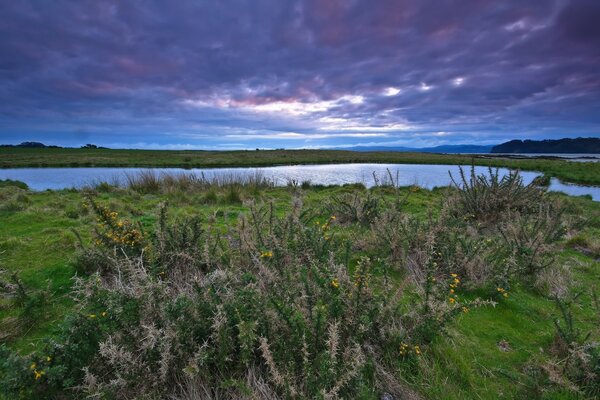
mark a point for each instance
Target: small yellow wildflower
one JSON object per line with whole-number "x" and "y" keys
{"x": 452, "y": 291}
{"x": 104, "y": 313}
{"x": 454, "y": 275}
{"x": 417, "y": 350}
{"x": 403, "y": 349}
{"x": 92, "y": 316}
{"x": 333, "y": 218}
{"x": 505, "y": 294}
{"x": 465, "y": 309}
{"x": 267, "y": 254}
{"x": 452, "y": 300}
{"x": 38, "y": 374}
{"x": 32, "y": 366}
{"x": 335, "y": 283}
{"x": 48, "y": 358}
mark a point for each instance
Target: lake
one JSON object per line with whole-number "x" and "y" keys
{"x": 426, "y": 176}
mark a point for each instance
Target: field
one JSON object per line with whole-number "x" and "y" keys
{"x": 244, "y": 290}
{"x": 584, "y": 173}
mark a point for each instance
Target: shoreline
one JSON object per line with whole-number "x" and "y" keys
{"x": 586, "y": 173}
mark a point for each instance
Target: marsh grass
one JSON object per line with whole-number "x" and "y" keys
{"x": 150, "y": 181}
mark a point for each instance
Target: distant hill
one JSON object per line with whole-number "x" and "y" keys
{"x": 452, "y": 149}
{"x": 38, "y": 145}
{"x": 35, "y": 145}
{"x": 573, "y": 146}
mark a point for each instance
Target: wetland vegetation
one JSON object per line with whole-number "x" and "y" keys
{"x": 177, "y": 287}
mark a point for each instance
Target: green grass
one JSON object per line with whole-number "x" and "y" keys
{"x": 584, "y": 173}
{"x": 37, "y": 241}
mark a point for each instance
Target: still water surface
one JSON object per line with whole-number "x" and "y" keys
{"x": 427, "y": 176}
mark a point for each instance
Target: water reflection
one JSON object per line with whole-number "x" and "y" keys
{"x": 427, "y": 176}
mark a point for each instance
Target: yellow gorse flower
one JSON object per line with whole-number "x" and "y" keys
{"x": 403, "y": 349}
{"x": 266, "y": 254}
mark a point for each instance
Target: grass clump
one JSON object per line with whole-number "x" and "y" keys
{"x": 13, "y": 183}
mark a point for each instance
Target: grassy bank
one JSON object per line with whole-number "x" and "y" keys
{"x": 584, "y": 173}
{"x": 328, "y": 291}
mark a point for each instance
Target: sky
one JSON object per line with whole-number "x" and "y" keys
{"x": 245, "y": 74}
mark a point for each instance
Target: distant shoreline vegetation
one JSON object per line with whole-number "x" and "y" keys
{"x": 39, "y": 145}
{"x": 560, "y": 146}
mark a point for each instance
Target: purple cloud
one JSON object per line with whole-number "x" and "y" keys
{"x": 271, "y": 73}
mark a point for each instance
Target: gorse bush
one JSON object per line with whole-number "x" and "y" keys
{"x": 359, "y": 207}
{"x": 487, "y": 197}
{"x": 28, "y": 302}
{"x": 278, "y": 299}
{"x": 515, "y": 249}
{"x": 576, "y": 363}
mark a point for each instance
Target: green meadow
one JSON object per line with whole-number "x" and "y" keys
{"x": 184, "y": 289}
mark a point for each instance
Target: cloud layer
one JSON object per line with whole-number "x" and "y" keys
{"x": 312, "y": 73}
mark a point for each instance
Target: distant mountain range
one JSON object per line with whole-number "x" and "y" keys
{"x": 455, "y": 149}
{"x": 564, "y": 146}
{"x": 575, "y": 146}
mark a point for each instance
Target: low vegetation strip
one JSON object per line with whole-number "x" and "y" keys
{"x": 236, "y": 290}
{"x": 584, "y": 173}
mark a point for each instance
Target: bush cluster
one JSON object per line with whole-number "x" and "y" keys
{"x": 280, "y": 306}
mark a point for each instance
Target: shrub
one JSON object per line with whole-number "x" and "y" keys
{"x": 487, "y": 197}
{"x": 579, "y": 356}
{"x": 355, "y": 207}
{"x": 528, "y": 238}
{"x": 279, "y": 299}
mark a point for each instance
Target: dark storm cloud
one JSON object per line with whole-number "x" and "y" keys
{"x": 298, "y": 73}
